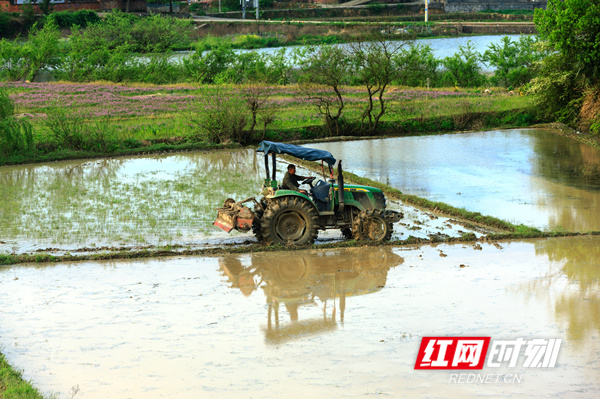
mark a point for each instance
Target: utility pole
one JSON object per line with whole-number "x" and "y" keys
{"x": 256, "y": 6}
{"x": 243, "y": 8}
{"x": 426, "y": 10}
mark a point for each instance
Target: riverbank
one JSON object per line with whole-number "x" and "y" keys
{"x": 566, "y": 131}
{"x": 296, "y": 32}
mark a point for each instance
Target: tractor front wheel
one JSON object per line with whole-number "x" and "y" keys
{"x": 290, "y": 220}
{"x": 371, "y": 225}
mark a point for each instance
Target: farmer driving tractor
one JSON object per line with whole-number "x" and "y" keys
{"x": 293, "y": 216}
{"x": 291, "y": 181}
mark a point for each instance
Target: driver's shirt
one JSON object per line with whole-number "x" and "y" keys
{"x": 290, "y": 181}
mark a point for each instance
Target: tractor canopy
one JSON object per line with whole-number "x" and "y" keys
{"x": 308, "y": 154}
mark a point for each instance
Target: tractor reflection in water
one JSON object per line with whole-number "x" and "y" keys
{"x": 301, "y": 279}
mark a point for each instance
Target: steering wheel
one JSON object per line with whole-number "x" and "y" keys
{"x": 308, "y": 181}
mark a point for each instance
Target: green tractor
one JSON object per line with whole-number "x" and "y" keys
{"x": 286, "y": 217}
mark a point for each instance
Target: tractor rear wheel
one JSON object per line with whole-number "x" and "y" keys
{"x": 290, "y": 220}
{"x": 371, "y": 225}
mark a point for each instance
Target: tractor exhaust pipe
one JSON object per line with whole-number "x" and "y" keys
{"x": 340, "y": 187}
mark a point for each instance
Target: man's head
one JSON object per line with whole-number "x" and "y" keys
{"x": 292, "y": 169}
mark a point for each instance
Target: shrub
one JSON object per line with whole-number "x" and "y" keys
{"x": 221, "y": 118}
{"x": 74, "y": 132}
{"x": 81, "y": 18}
{"x": 16, "y": 135}
{"x": 224, "y": 117}
{"x": 513, "y": 61}
{"x": 204, "y": 66}
{"x": 9, "y": 26}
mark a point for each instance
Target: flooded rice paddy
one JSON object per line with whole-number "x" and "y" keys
{"x": 154, "y": 200}
{"x": 331, "y": 323}
{"x": 533, "y": 177}
{"x": 341, "y": 323}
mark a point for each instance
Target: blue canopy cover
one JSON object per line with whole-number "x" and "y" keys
{"x": 308, "y": 154}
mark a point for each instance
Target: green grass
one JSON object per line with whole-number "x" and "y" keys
{"x": 294, "y": 115}
{"x": 142, "y": 123}
{"x": 12, "y": 385}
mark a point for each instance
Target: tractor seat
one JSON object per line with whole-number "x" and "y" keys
{"x": 320, "y": 191}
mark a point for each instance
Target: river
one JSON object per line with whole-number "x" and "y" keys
{"x": 442, "y": 47}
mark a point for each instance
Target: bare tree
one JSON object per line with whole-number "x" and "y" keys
{"x": 324, "y": 74}
{"x": 375, "y": 67}
{"x": 256, "y": 97}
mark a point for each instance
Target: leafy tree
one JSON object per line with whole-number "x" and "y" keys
{"x": 573, "y": 28}
{"x": 86, "y": 58}
{"x": 417, "y": 65}
{"x": 41, "y": 50}
{"x": 23, "y": 61}
{"x": 568, "y": 85}
{"x": 513, "y": 60}
{"x": 463, "y": 68}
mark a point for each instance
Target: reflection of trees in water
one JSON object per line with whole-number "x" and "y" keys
{"x": 562, "y": 160}
{"x": 224, "y": 160}
{"x": 570, "y": 208}
{"x": 303, "y": 279}
{"x": 580, "y": 308}
{"x": 570, "y": 178}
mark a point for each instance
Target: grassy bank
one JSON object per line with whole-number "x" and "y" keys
{"x": 12, "y": 385}
{"x": 121, "y": 120}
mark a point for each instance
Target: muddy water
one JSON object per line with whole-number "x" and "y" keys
{"x": 343, "y": 323}
{"x": 524, "y": 176}
{"x": 141, "y": 200}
